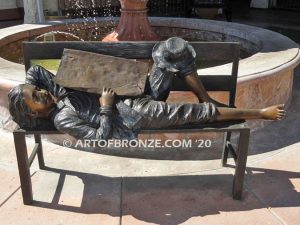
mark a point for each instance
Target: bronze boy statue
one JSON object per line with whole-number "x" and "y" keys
{"x": 89, "y": 116}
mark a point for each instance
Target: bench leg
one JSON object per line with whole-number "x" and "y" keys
{"x": 240, "y": 167}
{"x": 23, "y": 165}
{"x": 37, "y": 138}
{"x": 227, "y": 137}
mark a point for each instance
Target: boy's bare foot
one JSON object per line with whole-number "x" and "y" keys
{"x": 275, "y": 112}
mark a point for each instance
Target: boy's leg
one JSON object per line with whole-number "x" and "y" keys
{"x": 275, "y": 112}
{"x": 195, "y": 84}
{"x": 160, "y": 114}
{"x": 159, "y": 83}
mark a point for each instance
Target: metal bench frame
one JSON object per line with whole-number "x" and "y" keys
{"x": 142, "y": 50}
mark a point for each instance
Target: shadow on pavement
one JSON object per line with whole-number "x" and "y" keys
{"x": 175, "y": 199}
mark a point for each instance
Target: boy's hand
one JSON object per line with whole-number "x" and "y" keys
{"x": 107, "y": 97}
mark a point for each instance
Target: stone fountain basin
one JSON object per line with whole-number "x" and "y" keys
{"x": 265, "y": 77}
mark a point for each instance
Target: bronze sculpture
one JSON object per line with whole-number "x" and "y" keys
{"x": 89, "y": 116}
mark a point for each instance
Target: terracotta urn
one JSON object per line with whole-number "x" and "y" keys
{"x": 134, "y": 24}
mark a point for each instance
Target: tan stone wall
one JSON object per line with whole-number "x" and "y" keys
{"x": 13, "y": 51}
{"x": 8, "y": 4}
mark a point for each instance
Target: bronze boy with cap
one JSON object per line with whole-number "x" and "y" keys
{"x": 89, "y": 116}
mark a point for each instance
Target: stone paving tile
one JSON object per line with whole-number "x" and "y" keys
{"x": 276, "y": 181}
{"x": 71, "y": 198}
{"x": 9, "y": 183}
{"x": 63, "y": 197}
{"x": 204, "y": 199}
{"x": 114, "y": 166}
{"x": 7, "y": 148}
{"x": 15, "y": 72}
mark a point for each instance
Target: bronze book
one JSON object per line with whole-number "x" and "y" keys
{"x": 90, "y": 72}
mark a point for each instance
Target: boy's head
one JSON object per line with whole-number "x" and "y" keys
{"x": 28, "y": 105}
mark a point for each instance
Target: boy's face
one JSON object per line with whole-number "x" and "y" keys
{"x": 38, "y": 100}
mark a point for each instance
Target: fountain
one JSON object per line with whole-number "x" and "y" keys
{"x": 134, "y": 24}
{"x": 57, "y": 36}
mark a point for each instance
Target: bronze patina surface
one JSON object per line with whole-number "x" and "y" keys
{"x": 92, "y": 72}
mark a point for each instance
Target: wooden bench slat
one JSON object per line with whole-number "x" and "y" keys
{"x": 218, "y": 126}
{"x": 210, "y": 82}
{"x": 213, "y": 51}
{"x": 210, "y": 127}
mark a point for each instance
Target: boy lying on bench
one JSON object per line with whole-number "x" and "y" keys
{"x": 89, "y": 116}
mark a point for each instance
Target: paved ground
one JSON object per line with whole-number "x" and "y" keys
{"x": 88, "y": 188}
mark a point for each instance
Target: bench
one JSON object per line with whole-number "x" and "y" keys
{"x": 224, "y": 4}
{"x": 142, "y": 50}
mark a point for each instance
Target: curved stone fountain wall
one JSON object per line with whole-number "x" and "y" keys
{"x": 265, "y": 72}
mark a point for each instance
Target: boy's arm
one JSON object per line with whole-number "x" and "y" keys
{"x": 67, "y": 121}
{"x": 39, "y": 76}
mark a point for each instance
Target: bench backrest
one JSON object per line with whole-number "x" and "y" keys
{"x": 207, "y": 51}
